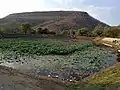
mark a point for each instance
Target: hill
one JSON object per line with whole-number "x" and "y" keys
{"x": 53, "y": 20}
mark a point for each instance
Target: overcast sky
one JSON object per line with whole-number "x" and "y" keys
{"x": 107, "y": 11}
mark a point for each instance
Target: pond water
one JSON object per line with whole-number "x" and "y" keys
{"x": 77, "y": 65}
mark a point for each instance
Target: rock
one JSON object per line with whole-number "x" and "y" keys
{"x": 118, "y": 51}
{"x": 49, "y": 75}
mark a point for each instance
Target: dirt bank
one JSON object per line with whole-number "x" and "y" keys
{"x": 11, "y": 79}
{"x": 110, "y": 42}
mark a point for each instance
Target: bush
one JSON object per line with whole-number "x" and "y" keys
{"x": 42, "y": 31}
{"x": 45, "y": 31}
{"x": 83, "y": 32}
{"x": 66, "y": 33}
{"x": 33, "y": 31}
{"x": 39, "y": 30}
{"x": 98, "y": 30}
{"x": 52, "y": 33}
{"x": 25, "y": 27}
{"x": 111, "y": 32}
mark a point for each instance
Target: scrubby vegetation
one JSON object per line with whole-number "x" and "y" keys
{"x": 99, "y": 30}
{"x": 106, "y": 31}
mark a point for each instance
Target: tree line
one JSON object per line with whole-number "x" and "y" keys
{"x": 26, "y": 28}
{"x": 99, "y": 30}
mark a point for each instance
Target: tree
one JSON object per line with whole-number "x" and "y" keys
{"x": 111, "y": 32}
{"x": 45, "y": 31}
{"x": 26, "y": 27}
{"x": 1, "y": 30}
{"x": 52, "y": 33}
{"x": 83, "y": 31}
{"x": 98, "y": 30}
{"x": 16, "y": 30}
{"x": 66, "y": 32}
{"x": 39, "y": 30}
{"x": 33, "y": 31}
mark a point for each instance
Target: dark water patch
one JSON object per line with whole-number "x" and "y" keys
{"x": 64, "y": 76}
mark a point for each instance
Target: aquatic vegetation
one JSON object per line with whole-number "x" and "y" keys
{"x": 40, "y": 47}
{"x": 65, "y": 60}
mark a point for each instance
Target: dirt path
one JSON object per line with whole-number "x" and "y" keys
{"x": 11, "y": 79}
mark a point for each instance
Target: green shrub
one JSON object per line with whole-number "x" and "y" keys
{"x": 83, "y": 32}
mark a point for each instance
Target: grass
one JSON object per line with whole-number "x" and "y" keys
{"x": 107, "y": 76}
{"x": 107, "y": 79}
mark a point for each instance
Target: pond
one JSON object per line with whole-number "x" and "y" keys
{"x": 77, "y": 65}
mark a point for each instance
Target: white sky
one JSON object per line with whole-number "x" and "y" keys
{"x": 16, "y": 6}
{"x": 13, "y": 6}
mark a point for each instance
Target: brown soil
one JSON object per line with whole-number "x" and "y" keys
{"x": 11, "y": 79}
